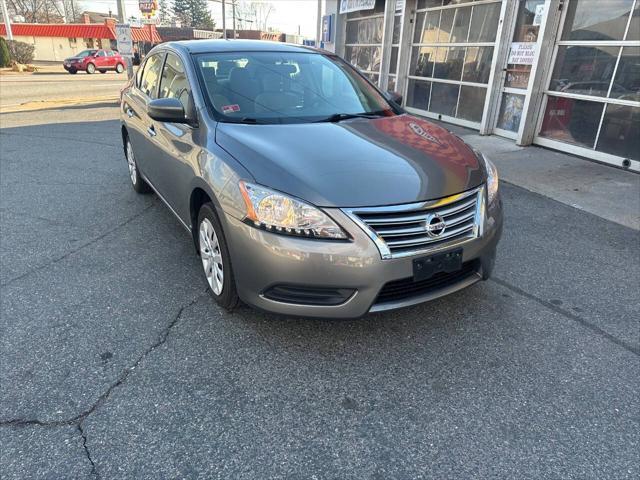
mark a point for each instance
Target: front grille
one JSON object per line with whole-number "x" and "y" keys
{"x": 401, "y": 230}
{"x": 406, "y": 288}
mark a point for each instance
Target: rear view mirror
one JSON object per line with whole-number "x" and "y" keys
{"x": 394, "y": 97}
{"x": 167, "y": 110}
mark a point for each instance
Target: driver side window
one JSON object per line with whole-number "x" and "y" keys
{"x": 150, "y": 76}
{"x": 174, "y": 83}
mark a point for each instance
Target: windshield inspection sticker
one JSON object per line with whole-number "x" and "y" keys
{"x": 230, "y": 108}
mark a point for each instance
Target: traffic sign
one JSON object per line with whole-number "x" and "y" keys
{"x": 123, "y": 37}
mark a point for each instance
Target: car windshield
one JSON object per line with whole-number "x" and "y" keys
{"x": 86, "y": 53}
{"x": 287, "y": 87}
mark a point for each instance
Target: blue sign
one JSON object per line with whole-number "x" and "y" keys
{"x": 327, "y": 34}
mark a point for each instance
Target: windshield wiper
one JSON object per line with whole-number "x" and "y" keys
{"x": 338, "y": 117}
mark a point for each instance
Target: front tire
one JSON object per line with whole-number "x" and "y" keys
{"x": 138, "y": 183}
{"x": 216, "y": 261}
{"x": 91, "y": 68}
{"x": 73, "y": 71}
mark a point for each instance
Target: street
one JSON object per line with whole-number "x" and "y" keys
{"x": 116, "y": 362}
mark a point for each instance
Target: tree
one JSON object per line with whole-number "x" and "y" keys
{"x": 37, "y": 11}
{"x": 165, "y": 13}
{"x": 5, "y": 59}
{"x": 21, "y": 52}
{"x": 193, "y": 13}
{"x": 255, "y": 13}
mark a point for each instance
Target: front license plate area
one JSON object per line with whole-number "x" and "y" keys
{"x": 427, "y": 267}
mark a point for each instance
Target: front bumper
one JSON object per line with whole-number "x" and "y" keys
{"x": 262, "y": 260}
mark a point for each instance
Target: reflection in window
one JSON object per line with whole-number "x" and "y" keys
{"x": 422, "y": 60}
{"x": 368, "y": 30}
{"x": 460, "y": 25}
{"x": 510, "y": 112}
{"x": 364, "y": 58}
{"x": 426, "y": 27}
{"x": 471, "y": 103}
{"x": 626, "y": 85}
{"x": 634, "y": 28}
{"x": 572, "y": 121}
{"x": 584, "y": 70}
{"x": 601, "y": 20}
{"x": 477, "y": 64}
{"x": 620, "y": 132}
{"x": 484, "y": 22}
{"x": 444, "y": 98}
{"x": 449, "y": 67}
{"x": 418, "y": 94}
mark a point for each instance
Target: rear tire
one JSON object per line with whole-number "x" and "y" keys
{"x": 119, "y": 68}
{"x": 216, "y": 261}
{"x": 91, "y": 68}
{"x": 138, "y": 183}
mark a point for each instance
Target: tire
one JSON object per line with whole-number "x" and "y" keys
{"x": 73, "y": 71}
{"x": 138, "y": 183}
{"x": 91, "y": 68}
{"x": 215, "y": 258}
{"x": 119, "y": 68}
{"x": 102, "y": 71}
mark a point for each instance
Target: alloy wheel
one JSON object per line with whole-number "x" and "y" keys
{"x": 133, "y": 171}
{"x": 211, "y": 256}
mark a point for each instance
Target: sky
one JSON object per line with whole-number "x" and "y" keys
{"x": 287, "y": 16}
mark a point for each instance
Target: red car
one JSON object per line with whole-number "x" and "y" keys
{"x": 94, "y": 59}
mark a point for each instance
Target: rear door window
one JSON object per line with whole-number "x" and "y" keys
{"x": 151, "y": 76}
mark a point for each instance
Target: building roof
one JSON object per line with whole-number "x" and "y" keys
{"x": 148, "y": 33}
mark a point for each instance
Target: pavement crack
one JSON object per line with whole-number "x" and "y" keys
{"x": 81, "y": 417}
{"x": 80, "y": 247}
{"x": 94, "y": 470}
{"x": 576, "y": 318}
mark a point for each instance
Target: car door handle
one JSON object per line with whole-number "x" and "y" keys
{"x": 151, "y": 131}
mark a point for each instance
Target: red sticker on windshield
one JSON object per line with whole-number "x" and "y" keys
{"x": 230, "y": 108}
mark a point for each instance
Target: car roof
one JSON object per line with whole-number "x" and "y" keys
{"x": 211, "y": 46}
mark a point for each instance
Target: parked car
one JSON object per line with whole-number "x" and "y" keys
{"x": 95, "y": 59}
{"x": 306, "y": 191}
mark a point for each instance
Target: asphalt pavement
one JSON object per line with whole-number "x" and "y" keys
{"x": 115, "y": 363}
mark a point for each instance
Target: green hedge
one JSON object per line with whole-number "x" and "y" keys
{"x": 5, "y": 58}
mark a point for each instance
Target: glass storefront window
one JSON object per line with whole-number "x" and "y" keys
{"x": 620, "y": 132}
{"x": 477, "y": 64}
{"x": 584, "y": 70}
{"x": 572, "y": 121}
{"x": 426, "y": 30}
{"x": 471, "y": 104}
{"x": 460, "y": 30}
{"x": 634, "y": 28}
{"x": 368, "y": 30}
{"x": 364, "y": 58}
{"x": 444, "y": 98}
{"x": 484, "y": 22}
{"x": 422, "y": 61}
{"x": 510, "y": 112}
{"x": 597, "y": 20}
{"x": 626, "y": 85}
{"x": 526, "y": 31}
{"x": 418, "y": 94}
{"x": 448, "y": 64}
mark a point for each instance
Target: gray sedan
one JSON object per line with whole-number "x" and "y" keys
{"x": 306, "y": 190}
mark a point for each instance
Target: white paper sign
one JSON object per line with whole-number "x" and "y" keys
{"x": 522, "y": 53}
{"x": 123, "y": 37}
{"x": 537, "y": 19}
{"x": 355, "y": 5}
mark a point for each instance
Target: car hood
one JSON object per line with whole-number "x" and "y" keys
{"x": 355, "y": 163}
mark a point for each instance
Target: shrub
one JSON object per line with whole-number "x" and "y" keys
{"x": 5, "y": 58}
{"x": 21, "y": 52}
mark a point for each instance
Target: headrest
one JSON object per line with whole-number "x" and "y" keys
{"x": 239, "y": 75}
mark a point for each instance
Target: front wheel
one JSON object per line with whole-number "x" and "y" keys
{"x": 216, "y": 261}
{"x": 119, "y": 68}
{"x": 73, "y": 71}
{"x": 91, "y": 68}
{"x": 139, "y": 185}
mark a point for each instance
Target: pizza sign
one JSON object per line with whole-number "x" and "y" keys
{"x": 148, "y": 7}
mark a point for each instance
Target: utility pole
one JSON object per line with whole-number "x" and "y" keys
{"x": 7, "y": 22}
{"x": 233, "y": 9}
{"x": 224, "y": 21}
{"x": 122, "y": 19}
{"x": 319, "y": 24}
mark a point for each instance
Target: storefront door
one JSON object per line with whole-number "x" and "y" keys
{"x": 591, "y": 102}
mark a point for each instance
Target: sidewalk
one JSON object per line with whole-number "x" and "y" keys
{"x": 605, "y": 191}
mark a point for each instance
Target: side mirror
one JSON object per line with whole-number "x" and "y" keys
{"x": 167, "y": 110}
{"x": 394, "y": 97}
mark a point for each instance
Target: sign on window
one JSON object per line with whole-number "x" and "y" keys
{"x": 522, "y": 53}
{"x": 347, "y": 6}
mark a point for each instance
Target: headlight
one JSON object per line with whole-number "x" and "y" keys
{"x": 492, "y": 177}
{"x": 280, "y": 213}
